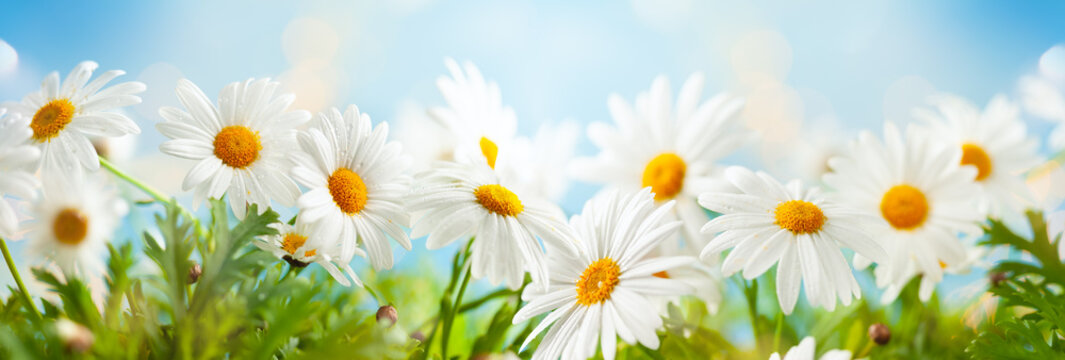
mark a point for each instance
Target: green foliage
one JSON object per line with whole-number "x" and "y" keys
{"x": 1030, "y": 299}
{"x": 247, "y": 304}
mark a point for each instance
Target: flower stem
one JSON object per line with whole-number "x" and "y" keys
{"x": 155, "y": 194}
{"x": 457, "y": 264}
{"x": 18, "y": 279}
{"x": 751, "y": 292}
{"x": 450, "y": 321}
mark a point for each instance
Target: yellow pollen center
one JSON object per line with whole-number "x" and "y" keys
{"x": 597, "y": 282}
{"x": 799, "y": 217}
{"x": 661, "y": 274}
{"x": 904, "y": 207}
{"x": 348, "y": 191}
{"x": 972, "y": 154}
{"x": 498, "y": 199}
{"x": 310, "y": 253}
{"x": 292, "y": 242}
{"x": 237, "y": 146}
{"x": 51, "y": 118}
{"x": 490, "y": 151}
{"x": 70, "y": 226}
{"x": 665, "y": 175}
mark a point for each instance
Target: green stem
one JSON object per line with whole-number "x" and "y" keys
{"x": 18, "y": 279}
{"x": 450, "y": 322}
{"x": 457, "y": 264}
{"x": 475, "y": 304}
{"x": 155, "y": 194}
{"x": 751, "y": 292}
{"x": 776, "y": 334}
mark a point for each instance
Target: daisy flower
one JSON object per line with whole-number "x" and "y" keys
{"x": 671, "y": 149}
{"x": 476, "y": 117}
{"x": 73, "y": 223}
{"x": 536, "y": 162}
{"x": 602, "y": 290}
{"x": 805, "y": 351}
{"x": 994, "y": 143}
{"x": 921, "y": 194}
{"x": 355, "y": 185}
{"x": 705, "y": 281}
{"x": 455, "y": 200}
{"x": 974, "y": 257}
{"x": 242, "y": 146}
{"x": 290, "y": 244}
{"x": 64, "y": 115}
{"x": 17, "y": 159}
{"x": 798, "y": 229}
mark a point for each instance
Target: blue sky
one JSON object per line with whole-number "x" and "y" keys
{"x": 858, "y": 63}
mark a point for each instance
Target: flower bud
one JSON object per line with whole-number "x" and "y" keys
{"x": 879, "y": 333}
{"x": 388, "y": 313}
{"x": 997, "y": 278}
{"x": 418, "y": 335}
{"x": 194, "y": 272}
{"x": 75, "y": 337}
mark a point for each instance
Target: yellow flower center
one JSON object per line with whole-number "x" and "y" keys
{"x": 348, "y": 191}
{"x": 597, "y": 282}
{"x": 490, "y": 151}
{"x": 498, "y": 199}
{"x": 799, "y": 217}
{"x": 237, "y": 146}
{"x": 292, "y": 242}
{"x": 51, "y": 118}
{"x": 972, "y": 154}
{"x": 665, "y": 175}
{"x": 70, "y": 226}
{"x": 661, "y": 274}
{"x": 904, "y": 207}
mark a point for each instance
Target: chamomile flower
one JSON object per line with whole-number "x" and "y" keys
{"x": 17, "y": 159}
{"x": 806, "y": 351}
{"x": 455, "y": 201}
{"x": 974, "y": 256}
{"x": 705, "y": 280}
{"x": 64, "y": 115}
{"x": 355, "y": 185}
{"x": 482, "y": 127}
{"x": 798, "y": 229}
{"x": 921, "y": 194}
{"x": 242, "y": 146}
{"x": 995, "y": 143}
{"x": 535, "y": 166}
{"x": 673, "y": 150}
{"x": 72, "y": 224}
{"x": 290, "y": 244}
{"x": 603, "y": 289}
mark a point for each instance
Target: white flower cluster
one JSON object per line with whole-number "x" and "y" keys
{"x": 908, "y": 201}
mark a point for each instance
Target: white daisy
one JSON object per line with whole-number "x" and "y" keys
{"x": 72, "y": 225}
{"x": 243, "y": 146}
{"x": 602, "y": 290}
{"x": 355, "y": 185}
{"x": 769, "y": 223}
{"x": 536, "y": 166}
{"x": 17, "y": 159}
{"x": 705, "y": 280}
{"x": 922, "y": 195}
{"x": 805, "y": 351}
{"x": 421, "y": 137}
{"x": 974, "y": 256}
{"x": 64, "y": 116}
{"x": 290, "y": 244}
{"x": 476, "y": 117}
{"x": 455, "y": 201}
{"x": 995, "y": 143}
{"x": 673, "y": 150}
